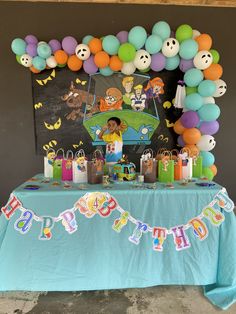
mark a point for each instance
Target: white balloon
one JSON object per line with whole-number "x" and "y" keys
{"x": 196, "y": 33}
{"x": 221, "y": 88}
{"x": 82, "y": 51}
{"x": 208, "y": 100}
{"x": 128, "y": 68}
{"x": 142, "y": 59}
{"x": 170, "y": 47}
{"x": 26, "y": 60}
{"x": 41, "y": 42}
{"x": 51, "y": 62}
{"x": 203, "y": 60}
{"x": 206, "y": 143}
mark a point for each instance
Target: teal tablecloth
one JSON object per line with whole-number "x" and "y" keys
{"x": 97, "y": 257}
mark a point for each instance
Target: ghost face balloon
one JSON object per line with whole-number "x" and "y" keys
{"x": 203, "y": 60}
{"x": 142, "y": 59}
{"x": 221, "y": 88}
{"x": 26, "y": 60}
{"x": 170, "y": 47}
{"x": 206, "y": 143}
{"x": 82, "y": 51}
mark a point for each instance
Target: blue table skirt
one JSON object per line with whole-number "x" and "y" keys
{"x": 97, "y": 257}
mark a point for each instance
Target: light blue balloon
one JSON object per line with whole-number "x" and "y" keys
{"x": 44, "y": 51}
{"x": 87, "y": 39}
{"x": 161, "y": 29}
{"x": 172, "y": 63}
{"x": 39, "y": 63}
{"x": 193, "y": 101}
{"x": 193, "y": 77}
{"x": 137, "y": 37}
{"x": 188, "y": 49}
{"x": 208, "y": 159}
{"x": 107, "y": 71}
{"x": 18, "y": 46}
{"x": 153, "y": 44}
{"x": 207, "y": 88}
{"x": 111, "y": 44}
{"x": 209, "y": 112}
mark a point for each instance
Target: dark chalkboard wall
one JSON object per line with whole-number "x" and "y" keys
{"x": 17, "y": 136}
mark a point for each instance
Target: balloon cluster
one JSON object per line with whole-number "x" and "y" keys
{"x": 127, "y": 52}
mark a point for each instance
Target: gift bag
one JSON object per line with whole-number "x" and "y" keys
{"x": 158, "y": 156}
{"x": 187, "y": 163}
{"x": 148, "y": 166}
{"x": 96, "y": 168}
{"x": 57, "y": 165}
{"x": 67, "y": 166}
{"x": 48, "y": 163}
{"x": 197, "y": 166}
{"x": 79, "y": 168}
{"x": 177, "y": 165}
{"x": 166, "y": 168}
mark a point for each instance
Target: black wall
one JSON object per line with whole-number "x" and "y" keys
{"x": 18, "y": 160}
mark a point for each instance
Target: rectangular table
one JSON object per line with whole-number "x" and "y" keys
{"x": 95, "y": 238}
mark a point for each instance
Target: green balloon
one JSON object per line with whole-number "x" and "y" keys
{"x": 207, "y": 172}
{"x": 18, "y": 59}
{"x": 61, "y": 65}
{"x": 145, "y": 70}
{"x": 215, "y": 55}
{"x": 127, "y": 52}
{"x": 190, "y": 90}
{"x": 184, "y": 32}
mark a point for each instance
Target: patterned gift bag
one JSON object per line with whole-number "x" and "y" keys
{"x": 166, "y": 168}
{"x": 67, "y": 166}
{"x": 197, "y": 166}
{"x": 187, "y": 163}
{"x": 57, "y": 165}
{"x": 96, "y": 168}
{"x": 48, "y": 163}
{"x": 79, "y": 167}
{"x": 148, "y": 166}
{"x": 177, "y": 164}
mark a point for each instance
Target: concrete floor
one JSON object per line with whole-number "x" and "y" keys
{"x": 156, "y": 300}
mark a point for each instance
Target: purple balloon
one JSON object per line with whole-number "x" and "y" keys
{"x": 89, "y": 65}
{"x": 55, "y": 45}
{"x": 31, "y": 49}
{"x": 158, "y": 62}
{"x": 31, "y": 39}
{"x": 185, "y": 65}
{"x": 189, "y": 119}
{"x": 123, "y": 36}
{"x": 209, "y": 128}
{"x": 69, "y": 44}
{"x": 180, "y": 141}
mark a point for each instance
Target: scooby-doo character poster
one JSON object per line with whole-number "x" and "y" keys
{"x": 70, "y": 109}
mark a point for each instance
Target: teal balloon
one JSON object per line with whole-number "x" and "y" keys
{"x": 161, "y": 29}
{"x": 209, "y": 112}
{"x": 188, "y": 49}
{"x": 39, "y": 63}
{"x": 193, "y": 77}
{"x": 86, "y": 39}
{"x": 137, "y": 37}
{"x": 107, "y": 71}
{"x": 172, "y": 63}
{"x": 208, "y": 173}
{"x": 44, "y": 51}
{"x": 208, "y": 159}
{"x": 193, "y": 102}
{"x": 153, "y": 44}
{"x": 18, "y": 46}
{"x": 207, "y": 88}
{"x": 111, "y": 44}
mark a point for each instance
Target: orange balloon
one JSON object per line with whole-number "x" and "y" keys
{"x": 32, "y": 69}
{"x": 213, "y": 169}
{"x": 60, "y": 56}
{"x": 214, "y": 72}
{"x": 74, "y": 63}
{"x": 204, "y": 42}
{"x": 101, "y": 59}
{"x": 95, "y": 45}
{"x": 115, "y": 63}
{"x": 178, "y": 127}
{"x": 191, "y": 136}
{"x": 194, "y": 151}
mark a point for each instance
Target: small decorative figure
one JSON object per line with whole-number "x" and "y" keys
{"x": 138, "y": 99}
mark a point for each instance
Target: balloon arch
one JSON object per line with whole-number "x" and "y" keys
{"x": 135, "y": 50}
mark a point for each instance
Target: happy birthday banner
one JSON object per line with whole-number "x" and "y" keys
{"x": 103, "y": 204}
